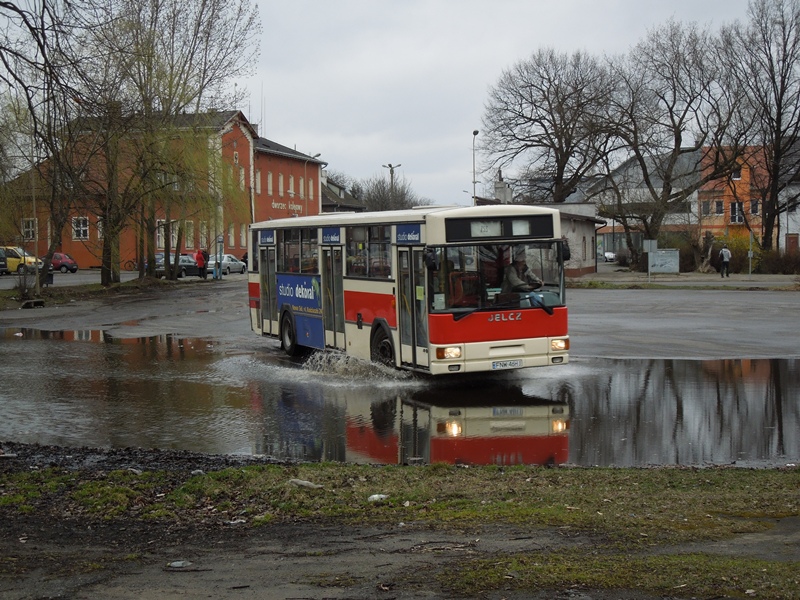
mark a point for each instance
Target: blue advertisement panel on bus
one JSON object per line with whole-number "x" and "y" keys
{"x": 301, "y": 292}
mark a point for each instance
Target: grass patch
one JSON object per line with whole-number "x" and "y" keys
{"x": 683, "y": 575}
{"x": 639, "y": 507}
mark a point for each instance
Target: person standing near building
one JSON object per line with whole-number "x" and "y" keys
{"x": 201, "y": 263}
{"x": 725, "y": 256}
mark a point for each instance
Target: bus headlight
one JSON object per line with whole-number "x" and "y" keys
{"x": 559, "y": 345}
{"x": 448, "y": 352}
{"x": 559, "y": 426}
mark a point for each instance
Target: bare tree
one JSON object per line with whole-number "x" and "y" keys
{"x": 676, "y": 121}
{"x": 379, "y": 193}
{"x": 42, "y": 66}
{"x": 764, "y": 58}
{"x": 163, "y": 58}
{"x": 546, "y": 116}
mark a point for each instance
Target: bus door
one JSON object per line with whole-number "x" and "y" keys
{"x": 333, "y": 296}
{"x": 412, "y": 307}
{"x": 269, "y": 299}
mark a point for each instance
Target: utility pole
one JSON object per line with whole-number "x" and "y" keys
{"x": 391, "y": 168}
{"x": 474, "y": 181}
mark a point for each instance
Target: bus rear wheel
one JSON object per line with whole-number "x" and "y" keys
{"x": 288, "y": 335}
{"x": 381, "y": 350}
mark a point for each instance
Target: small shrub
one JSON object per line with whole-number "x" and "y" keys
{"x": 772, "y": 261}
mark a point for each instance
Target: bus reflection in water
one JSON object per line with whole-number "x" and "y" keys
{"x": 421, "y": 429}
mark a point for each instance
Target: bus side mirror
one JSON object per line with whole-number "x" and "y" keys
{"x": 430, "y": 260}
{"x": 565, "y": 254}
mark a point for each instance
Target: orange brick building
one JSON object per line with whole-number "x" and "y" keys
{"x": 727, "y": 206}
{"x": 262, "y": 180}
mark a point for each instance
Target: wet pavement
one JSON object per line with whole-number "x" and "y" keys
{"x": 670, "y": 377}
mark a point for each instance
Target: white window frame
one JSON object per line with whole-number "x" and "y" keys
{"x": 29, "y": 227}
{"x": 280, "y": 185}
{"x": 241, "y": 178}
{"x": 243, "y": 235}
{"x": 80, "y": 228}
{"x": 189, "y": 236}
{"x": 310, "y": 184}
{"x": 203, "y": 234}
{"x": 269, "y": 183}
{"x": 231, "y": 236}
{"x": 737, "y": 213}
{"x": 258, "y": 181}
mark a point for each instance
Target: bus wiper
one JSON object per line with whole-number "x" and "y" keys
{"x": 539, "y": 302}
{"x": 535, "y": 301}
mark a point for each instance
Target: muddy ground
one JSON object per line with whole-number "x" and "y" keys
{"x": 64, "y": 556}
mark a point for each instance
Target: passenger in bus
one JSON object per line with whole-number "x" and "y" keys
{"x": 519, "y": 277}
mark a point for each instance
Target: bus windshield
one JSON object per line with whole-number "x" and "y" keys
{"x": 491, "y": 276}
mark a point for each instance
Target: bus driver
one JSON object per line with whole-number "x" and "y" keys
{"x": 518, "y": 275}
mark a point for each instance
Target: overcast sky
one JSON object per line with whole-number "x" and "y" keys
{"x": 367, "y": 83}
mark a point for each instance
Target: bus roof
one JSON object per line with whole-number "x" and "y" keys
{"x": 412, "y": 215}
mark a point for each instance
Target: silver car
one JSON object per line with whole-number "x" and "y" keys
{"x": 229, "y": 264}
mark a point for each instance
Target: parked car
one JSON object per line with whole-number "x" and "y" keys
{"x": 63, "y": 262}
{"x": 18, "y": 260}
{"x": 3, "y": 263}
{"x": 610, "y": 257}
{"x": 186, "y": 266}
{"x": 230, "y": 264}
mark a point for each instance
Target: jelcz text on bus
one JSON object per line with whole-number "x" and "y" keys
{"x": 431, "y": 289}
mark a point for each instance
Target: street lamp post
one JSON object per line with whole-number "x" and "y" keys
{"x": 391, "y": 168}
{"x": 305, "y": 179}
{"x": 474, "y": 181}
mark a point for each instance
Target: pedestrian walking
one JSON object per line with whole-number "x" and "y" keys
{"x": 725, "y": 256}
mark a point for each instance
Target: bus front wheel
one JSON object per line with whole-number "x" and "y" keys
{"x": 381, "y": 349}
{"x": 288, "y": 335}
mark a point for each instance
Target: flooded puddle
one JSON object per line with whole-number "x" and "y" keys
{"x": 86, "y": 388}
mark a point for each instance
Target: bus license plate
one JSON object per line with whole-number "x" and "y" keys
{"x": 506, "y": 364}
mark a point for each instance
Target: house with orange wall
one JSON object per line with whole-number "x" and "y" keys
{"x": 265, "y": 180}
{"x": 727, "y": 206}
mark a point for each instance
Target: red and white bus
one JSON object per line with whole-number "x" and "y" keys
{"x": 430, "y": 289}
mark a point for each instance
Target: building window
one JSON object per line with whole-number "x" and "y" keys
{"x": 241, "y": 178}
{"x": 753, "y": 207}
{"x": 719, "y": 207}
{"x": 189, "y": 225}
{"x": 258, "y": 181}
{"x": 291, "y": 185}
{"x": 737, "y": 212}
{"x": 28, "y": 229}
{"x": 243, "y": 235}
{"x": 269, "y": 183}
{"x": 80, "y": 228}
{"x": 100, "y": 228}
{"x": 173, "y": 234}
{"x": 280, "y": 185}
{"x": 736, "y": 174}
{"x": 301, "y": 190}
{"x": 706, "y": 208}
{"x": 203, "y": 234}
{"x": 231, "y": 235}
{"x": 310, "y": 188}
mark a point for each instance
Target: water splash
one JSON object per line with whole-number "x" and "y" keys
{"x": 349, "y": 367}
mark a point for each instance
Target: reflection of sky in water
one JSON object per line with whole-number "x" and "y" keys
{"x": 79, "y": 388}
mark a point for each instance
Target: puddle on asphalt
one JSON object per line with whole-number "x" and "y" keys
{"x": 87, "y": 388}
